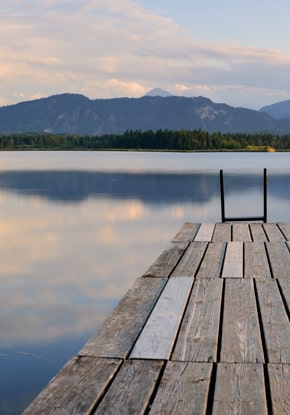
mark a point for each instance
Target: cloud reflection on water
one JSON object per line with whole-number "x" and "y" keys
{"x": 64, "y": 267}
{"x": 69, "y": 250}
{"x": 73, "y": 239}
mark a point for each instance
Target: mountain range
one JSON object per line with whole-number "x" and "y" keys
{"x": 76, "y": 114}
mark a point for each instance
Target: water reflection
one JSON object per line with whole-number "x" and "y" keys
{"x": 50, "y": 252}
{"x": 55, "y": 246}
{"x": 73, "y": 241}
{"x": 152, "y": 188}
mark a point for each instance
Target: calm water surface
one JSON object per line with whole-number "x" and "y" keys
{"x": 77, "y": 228}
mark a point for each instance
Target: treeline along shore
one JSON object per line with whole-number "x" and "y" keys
{"x": 166, "y": 140}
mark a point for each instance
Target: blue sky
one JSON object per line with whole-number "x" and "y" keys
{"x": 236, "y": 52}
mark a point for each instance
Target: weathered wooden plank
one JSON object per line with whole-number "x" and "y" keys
{"x": 157, "y": 337}
{"x": 285, "y": 229}
{"x": 212, "y": 262}
{"x": 132, "y": 388}
{"x": 285, "y": 286}
{"x": 258, "y": 233}
{"x": 273, "y": 232}
{"x": 241, "y": 338}
{"x": 166, "y": 262}
{"x": 256, "y": 260}
{"x": 198, "y": 336}
{"x": 187, "y": 232}
{"x": 240, "y": 389}
{"x": 233, "y": 263}
{"x": 190, "y": 261}
{"x": 222, "y": 232}
{"x": 279, "y": 257}
{"x": 241, "y": 232}
{"x": 118, "y": 333}
{"x": 279, "y": 378}
{"x": 205, "y": 232}
{"x": 183, "y": 389}
{"x": 77, "y": 387}
{"x": 275, "y": 321}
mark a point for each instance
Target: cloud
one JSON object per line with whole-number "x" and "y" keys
{"x": 119, "y": 48}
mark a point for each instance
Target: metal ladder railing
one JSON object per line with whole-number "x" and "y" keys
{"x": 238, "y": 219}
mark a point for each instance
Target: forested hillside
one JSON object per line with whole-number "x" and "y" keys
{"x": 181, "y": 140}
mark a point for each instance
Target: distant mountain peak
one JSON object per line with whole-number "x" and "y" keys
{"x": 278, "y": 110}
{"x": 158, "y": 92}
{"x": 77, "y": 114}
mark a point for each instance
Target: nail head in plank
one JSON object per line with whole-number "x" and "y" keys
{"x": 233, "y": 263}
{"x": 241, "y": 338}
{"x": 241, "y": 232}
{"x": 183, "y": 389}
{"x": 258, "y": 233}
{"x": 222, "y": 232}
{"x": 212, "y": 262}
{"x": 275, "y": 321}
{"x": 166, "y": 262}
{"x": 273, "y": 232}
{"x": 116, "y": 336}
{"x": 82, "y": 377}
{"x": 279, "y": 378}
{"x": 256, "y": 260}
{"x": 157, "y": 337}
{"x": 198, "y": 336}
{"x": 239, "y": 389}
{"x": 191, "y": 259}
{"x": 187, "y": 232}
{"x": 205, "y": 232}
{"x": 131, "y": 389}
{"x": 279, "y": 257}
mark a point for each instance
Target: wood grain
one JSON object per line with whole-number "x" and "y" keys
{"x": 166, "y": 262}
{"x": 258, "y": 233}
{"x": 190, "y": 261}
{"x": 256, "y": 260}
{"x": 187, "y": 232}
{"x": 241, "y": 338}
{"x": 233, "y": 263}
{"x": 285, "y": 229}
{"x": 183, "y": 389}
{"x": 275, "y": 321}
{"x": 279, "y": 377}
{"x": 132, "y": 388}
{"x": 240, "y": 390}
{"x": 77, "y": 387}
{"x": 241, "y": 232}
{"x": 163, "y": 350}
{"x": 222, "y": 232}
{"x": 279, "y": 257}
{"x": 273, "y": 232}
{"x": 285, "y": 287}
{"x": 198, "y": 336}
{"x": 211, "y": 265}
{"x": 157, "y": 338}
{"x": 119, "y": 331}
{"x": 205, "y": 232}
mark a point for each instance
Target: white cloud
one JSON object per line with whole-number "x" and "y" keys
{"x": 119, "y": 48}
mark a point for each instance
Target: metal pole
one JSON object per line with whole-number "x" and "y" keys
{"x": 222, "y": 195}
{"x": 265, "y": 195}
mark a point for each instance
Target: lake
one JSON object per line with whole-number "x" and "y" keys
{"x": 77, "y": 228}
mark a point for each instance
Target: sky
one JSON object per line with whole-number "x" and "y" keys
{"x": 237, "y": 52}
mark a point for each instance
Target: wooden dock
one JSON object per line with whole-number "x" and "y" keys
{"x": 204, "y": 331}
